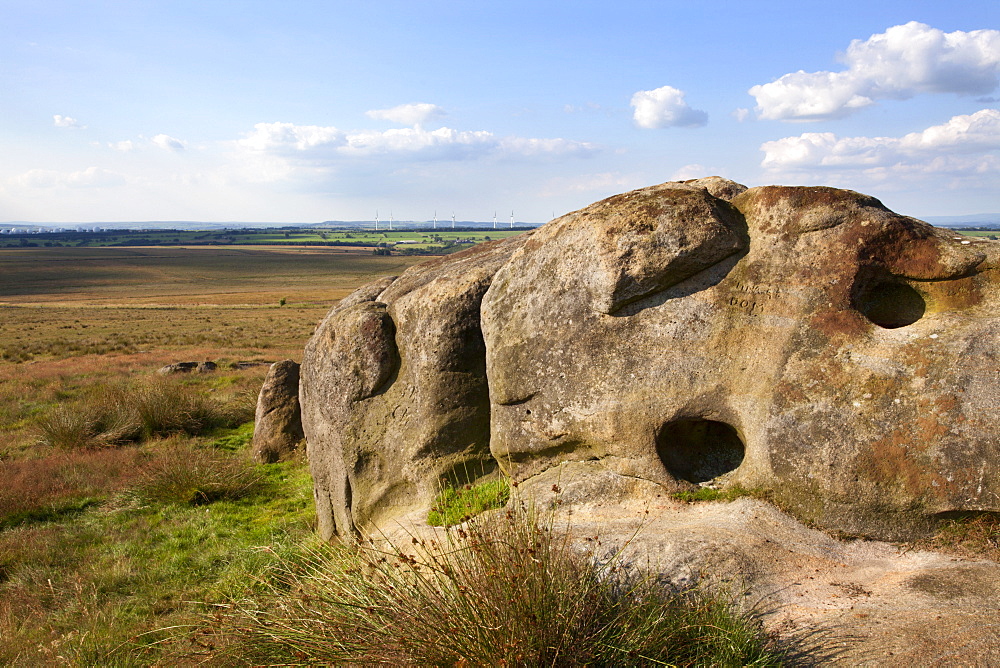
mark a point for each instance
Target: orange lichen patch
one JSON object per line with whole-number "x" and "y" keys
{"x": 837, "y": 324}
{"x": 954, "y": 295}
{"x": 898, "y": 460}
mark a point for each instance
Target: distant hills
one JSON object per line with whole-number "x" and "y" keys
{"x": 974, "y": 220}
{"x": 192, "y": 225}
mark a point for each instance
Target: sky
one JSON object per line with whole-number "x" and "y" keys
{"x": 302, "y": 111}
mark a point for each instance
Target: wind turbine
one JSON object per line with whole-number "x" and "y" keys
{"x": 435, "y": 219}
{"x": 452, "y": 220}
{"x": 376, "y": 220}
{"x": 494, "y": 220}
{"x": 390, "y": 220}
{"x": 512, "y": 219}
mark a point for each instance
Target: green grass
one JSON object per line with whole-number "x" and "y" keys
{"x": 455, "y": 505}
{"x": 502, "y": 590}
{"x": 125, "y": 581}
{"x": 710, "y": 494}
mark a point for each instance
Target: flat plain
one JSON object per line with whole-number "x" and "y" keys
{"x": 109, "y": 546}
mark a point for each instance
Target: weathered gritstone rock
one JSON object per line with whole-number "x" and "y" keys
{"x": 805, "y": 341}
{"x": 394, "y": 394}
{"x": 278, "y": 420}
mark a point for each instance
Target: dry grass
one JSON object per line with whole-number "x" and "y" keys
{"x": 501, "y": 590}
{"x": 63, "y": 482}
{"x": 974, "y": 536}
{"x": 227, "y": 275}
{"x": 124, "y": 412}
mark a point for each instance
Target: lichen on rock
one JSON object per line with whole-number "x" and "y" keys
{"x": 804, "y": 341}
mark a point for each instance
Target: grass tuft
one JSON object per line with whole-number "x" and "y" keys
{"x": 137, "y": 411}
{"x": 455, "y": 505}
{"x": 184, "y": 475}
{"x": 503, "y": 589}
{"x": 974, "y": 535}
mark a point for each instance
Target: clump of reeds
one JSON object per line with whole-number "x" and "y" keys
{"x": 181, "y": 474}
{"x": 503, "y": 589}
{"x": 135, "y": 411}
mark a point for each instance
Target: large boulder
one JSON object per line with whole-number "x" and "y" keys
{"x": 807, "y": 342}
{"x": 394, "y": 393}
{"x": 277, "y": 429}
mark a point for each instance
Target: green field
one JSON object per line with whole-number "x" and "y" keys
{"x": 401, "y": 241}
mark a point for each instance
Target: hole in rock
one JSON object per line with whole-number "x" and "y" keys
{"x": 698, "y": 450}
{"x": 890, "y": 304}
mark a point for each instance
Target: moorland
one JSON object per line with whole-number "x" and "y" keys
{"x": 128, "y": 506}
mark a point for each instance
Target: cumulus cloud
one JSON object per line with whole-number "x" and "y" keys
{"x": 315, "y": 143}
{"x": 665, "y": 107}
{"x": 289, "y": 138}
{"x": 66, "y": 122}
{"x": 168, "y": 143}
{"x": 964, "y": 144}
{"x": 92, "y": 177}
{"x": 124, "y": 146}
{"x": 904, "y": 61}
{"x": 408, "y": 114}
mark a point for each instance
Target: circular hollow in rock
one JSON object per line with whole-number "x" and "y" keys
{"x": 891, "y": 304}
{"x": 699, "y": 450}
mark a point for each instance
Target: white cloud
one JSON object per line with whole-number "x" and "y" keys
{"x": 665, "y": 107}
{"x": 408, "y": 114}
{"x": 740, "y": 114}
{"x": 124, "y": 146}
{"x": 291, "y": 138}
{"x": 92, "y": 177}
{"x": 66, "y": 122}
{"x": 315, "y": 144}
{"x": 964, "y": 144}
{"x": 168, "y": 143}
{"x": 904, "y": 61}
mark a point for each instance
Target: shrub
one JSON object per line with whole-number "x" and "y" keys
{"x": 185, "y": 475}
{"x": 455, "y": 505}
{"x": 501, "y": 590}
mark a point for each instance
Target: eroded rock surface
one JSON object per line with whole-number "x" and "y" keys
{"x": 394, "y": 391}
{"x": 278, "y": 421}
{"x": 805, "y": 341}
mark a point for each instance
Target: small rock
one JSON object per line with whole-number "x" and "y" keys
{"x": 179, "y": 367}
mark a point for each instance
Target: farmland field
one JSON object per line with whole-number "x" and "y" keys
{"x": 404, "y": 241}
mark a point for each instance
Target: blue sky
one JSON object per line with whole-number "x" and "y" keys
{"x": 308, "y": 111}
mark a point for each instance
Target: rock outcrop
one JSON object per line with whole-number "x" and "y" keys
{"x": 278, "y": 421}
{"x": 804, "y": 341}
